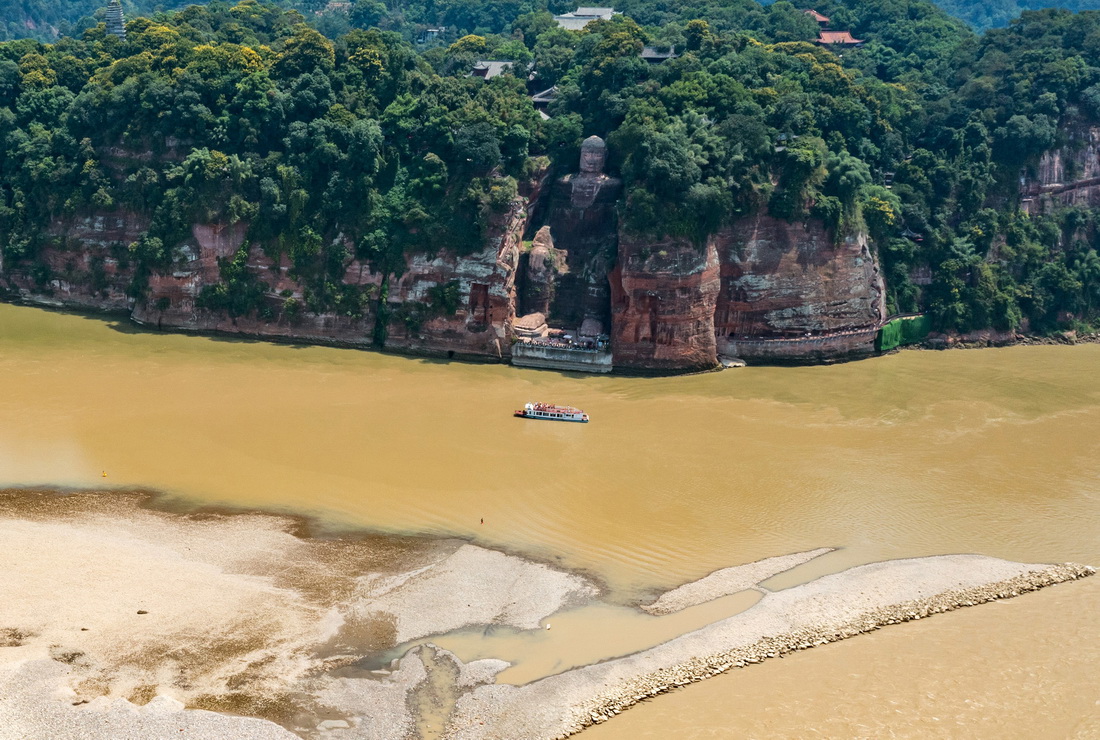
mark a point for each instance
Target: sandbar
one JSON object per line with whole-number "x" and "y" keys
{"x": 120, "y": 620}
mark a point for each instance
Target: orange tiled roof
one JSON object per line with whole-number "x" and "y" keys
{"x": 817, "y": 16}
{"x": 838, "y": 37}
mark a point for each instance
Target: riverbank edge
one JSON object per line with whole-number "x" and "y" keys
{"x": 447, "y": 356}
{"x": 594, "y": 705}
{"x": 305, "y": 526}
{"x": 605, "y": 706}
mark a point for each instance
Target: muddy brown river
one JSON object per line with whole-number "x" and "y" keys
{"x": 918, "y": 453}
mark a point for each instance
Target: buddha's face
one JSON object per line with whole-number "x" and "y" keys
{"x": 593, "y": 158}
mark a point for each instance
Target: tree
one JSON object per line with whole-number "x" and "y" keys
{"x": 306, "y": 52}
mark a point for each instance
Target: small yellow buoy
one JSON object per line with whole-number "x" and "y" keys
{"x": 104, "y": 473}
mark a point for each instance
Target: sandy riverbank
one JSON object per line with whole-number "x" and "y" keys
{"x": 728, "y": 581}
{"x": 120, "y": 616}
{"x": 229, "y": 612}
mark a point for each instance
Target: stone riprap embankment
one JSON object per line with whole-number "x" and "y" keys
{"x": 831, "y": 608}
{"x": 728, "y": 581}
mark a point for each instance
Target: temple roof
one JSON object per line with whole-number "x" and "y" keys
{"x": 581, "y": 17}
{"x": 652, "y": 54}
{"x": 838, "y": 37}
{"x": 488, "y": 70}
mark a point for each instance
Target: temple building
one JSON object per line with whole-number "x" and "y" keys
{"x": 838, "y": 38}
{"x": 582, "y": 16}
{"x": 116, "y": 21}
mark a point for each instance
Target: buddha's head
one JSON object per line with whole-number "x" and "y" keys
{"x": 593, "y": 155}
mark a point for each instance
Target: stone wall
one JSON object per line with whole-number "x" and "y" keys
{"x": 824, "y": 348}
{"x": 558, "y": 358}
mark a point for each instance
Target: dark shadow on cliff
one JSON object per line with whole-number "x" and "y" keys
{"x": 129, "y": 326}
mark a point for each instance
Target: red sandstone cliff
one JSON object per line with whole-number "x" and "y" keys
{"x": 86, "y": 265}
{"x": 760, "y": 289}
{"x": 172, "y": 298}
{"x": 793, "y": 282}
{"x": 486, "y": 282}
{"x": 663, "y": 295}
{"x": 785, "y": 279}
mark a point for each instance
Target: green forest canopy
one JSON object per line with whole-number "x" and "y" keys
{"x": 47, "y": 19}
{"x": 244, "y": 113}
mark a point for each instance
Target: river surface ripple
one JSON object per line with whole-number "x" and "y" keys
{"x": 918, "y": 453}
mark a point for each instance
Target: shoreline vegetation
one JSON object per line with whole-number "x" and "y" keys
{"x": 132, "y": 620}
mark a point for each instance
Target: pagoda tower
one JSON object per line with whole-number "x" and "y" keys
{"x": 116, "y": 22}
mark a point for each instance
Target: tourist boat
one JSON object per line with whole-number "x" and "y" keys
{"x": 551, "y": 412}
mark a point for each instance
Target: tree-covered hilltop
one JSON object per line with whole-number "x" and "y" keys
{"x": 985, "y": 14}
{"x": 46, "y": 20}
{"x": 371, "y": 146}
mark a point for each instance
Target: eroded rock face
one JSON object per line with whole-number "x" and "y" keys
{"x": 485, "y": 308}
{"x": 794, "y": 282}
{"x": 543, "y": 264}
{"x": 663, "y": 300}
{"x": 87, "y": 264}
{"x": 1067, "y": 176}
{"x": 762, "y": 289}
{"x": 485, "y": 284}
{"x": 172, "y": 300}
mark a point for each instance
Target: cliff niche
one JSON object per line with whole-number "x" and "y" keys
{"x": 584, "y": 225}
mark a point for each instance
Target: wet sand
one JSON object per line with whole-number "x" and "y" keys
{"x": 229, "y": 612}
{"x": 729, "y": 581}
{"x": 129, "y": 622}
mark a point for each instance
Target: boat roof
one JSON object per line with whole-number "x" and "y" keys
{"x": 554, "y": 407}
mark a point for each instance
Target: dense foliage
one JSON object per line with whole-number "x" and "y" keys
{"x": 372, "y": 145}
{"x": 47, "y": 19}
{"x": 985, "y": 14}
